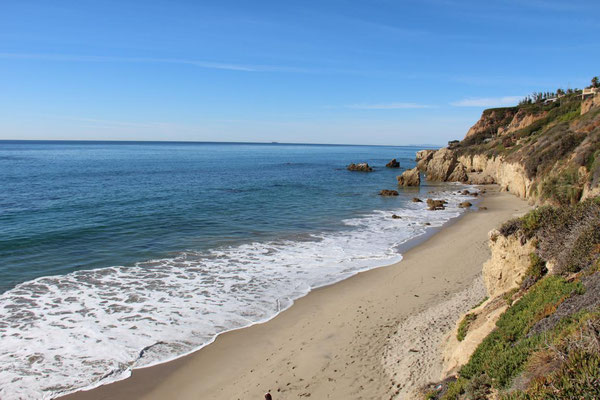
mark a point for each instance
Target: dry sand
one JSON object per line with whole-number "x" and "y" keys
{"x": 350, "y": 340}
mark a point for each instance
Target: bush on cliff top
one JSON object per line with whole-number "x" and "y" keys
{"x": 567, "y": 236}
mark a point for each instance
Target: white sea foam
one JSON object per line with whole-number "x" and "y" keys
{"x": 59, "y": 334}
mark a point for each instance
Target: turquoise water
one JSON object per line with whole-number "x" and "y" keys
{"x": 78, "y": 205}
{"x": 122, "y": 255}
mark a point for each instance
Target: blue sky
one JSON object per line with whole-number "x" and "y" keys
{"x": 371, "y": 72}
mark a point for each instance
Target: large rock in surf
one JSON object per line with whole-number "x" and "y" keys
{"x": 386, "y": 192}
{"x": 361, "y": 167}
{"x": 436, "y": 204}
{"x": 410, "y": 177}
{"x": 393, "y": 164}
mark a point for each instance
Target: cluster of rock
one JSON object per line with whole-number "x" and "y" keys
{"x": 361, "y": 167}
{"x": 386, "y": 192}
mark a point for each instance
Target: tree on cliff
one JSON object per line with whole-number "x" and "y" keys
{"x": 595, "y": 82}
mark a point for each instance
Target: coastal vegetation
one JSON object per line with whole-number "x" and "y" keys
{"x": 546, "y": 344}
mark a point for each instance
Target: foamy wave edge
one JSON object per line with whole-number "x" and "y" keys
{"x": 449, "y": 214}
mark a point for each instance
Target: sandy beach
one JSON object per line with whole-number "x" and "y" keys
{"x": 373, "y": 336}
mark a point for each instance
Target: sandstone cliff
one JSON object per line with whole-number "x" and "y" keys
{"x": 548, "y": 153}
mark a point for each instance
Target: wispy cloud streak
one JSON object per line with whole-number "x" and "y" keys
{"x": 150, "y": 60}
{"x": 387, "y": 106}
{"x": 488, "y": 101}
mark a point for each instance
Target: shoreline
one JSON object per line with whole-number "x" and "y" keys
{"x": 281, "y": 354}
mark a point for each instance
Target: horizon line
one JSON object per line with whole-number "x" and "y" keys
{"x": 218, "y": 142}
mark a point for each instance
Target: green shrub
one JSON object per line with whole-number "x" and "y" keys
{"x": 562, "y": 189}
{"x": 536, "y": 270}
{"x": 574, "y": 344}
{"x": 504, "y": 351}
{"x": 455, "y": 389}
{"x": 463, "y": 327}
{"x": 479, "y": 387}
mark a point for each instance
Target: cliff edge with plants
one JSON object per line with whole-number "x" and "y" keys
{"x": 537, "y": 335}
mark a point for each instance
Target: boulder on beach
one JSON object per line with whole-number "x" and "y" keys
{"x": 416, "y": 200}
{"x": 386, "y": 192}
{"x": 361, "y": 167}
{"x": 436, "y": 204}
{"x": 465, "y": 204}
{"x": 393, "y": 164}
{"x": 410, "y": 177}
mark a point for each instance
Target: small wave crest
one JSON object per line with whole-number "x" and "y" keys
{"x": 59, "y": 334}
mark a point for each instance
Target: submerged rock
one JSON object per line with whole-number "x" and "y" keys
{"x": 410, "y": 177}
{"x": 386, "y": 192}
{"x": 465, "y": 204}
{"x": 394, "y": 216}
{"x": 436, "y": 204}
{"x": 361, "y": 167}
{"x": 393, "y": 164}
{"x": 416, "y": 200}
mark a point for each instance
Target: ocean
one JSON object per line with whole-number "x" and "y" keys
{"x": 121, "y": 255}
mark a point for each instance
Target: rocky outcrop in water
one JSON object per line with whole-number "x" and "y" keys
{"x": 393, "y": 164}
{"x": 361, "y": 167}
{"x": 386, "y": 192}
{"x": 410, "y": 177}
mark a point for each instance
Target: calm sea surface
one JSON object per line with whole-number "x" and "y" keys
{"x": 120, "y": 255}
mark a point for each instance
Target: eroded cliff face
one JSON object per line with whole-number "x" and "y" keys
{"x": 522, "y": 119}
{"x": 491, "y": 120}
{"x": 590, "y": 103}
{"x": 446, "y": 165}
{"x": 508, "y": 264}
{"x": 540, "y": 152}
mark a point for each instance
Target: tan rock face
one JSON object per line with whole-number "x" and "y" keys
{"x": 507, "y": 266}
{"x": 459, "y": 174}
{"x": 423, "y": 157}
{"x": 490, "y": 122}
{"x": 589, "y": 103}
{"x": 444, "y": 165}
{"x": 521, "y": 120}
{"x": 410, "y": 177}
{"x": 441, "y": 165}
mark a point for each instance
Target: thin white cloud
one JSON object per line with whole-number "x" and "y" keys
{"x": 111, "y": 123}
{"x": 150, "y": 60}
{"x": 387, "y": 106}
{"x": 488, "y": 101}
